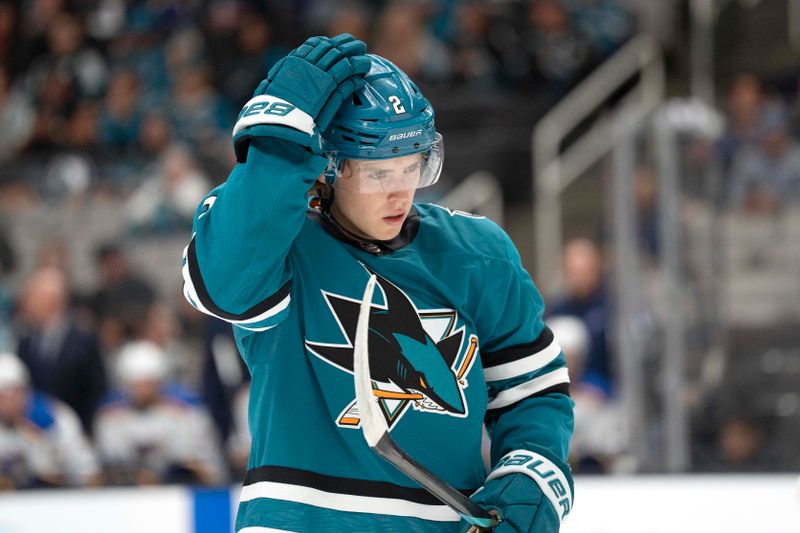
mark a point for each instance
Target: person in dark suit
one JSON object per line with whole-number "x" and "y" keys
{"x": 63, "y": 359}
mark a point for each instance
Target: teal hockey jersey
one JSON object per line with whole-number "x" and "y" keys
{"x": 457, "y": 340}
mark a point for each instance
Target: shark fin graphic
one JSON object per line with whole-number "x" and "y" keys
{"x": 449, "y": 347}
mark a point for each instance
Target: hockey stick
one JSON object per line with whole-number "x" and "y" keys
{"x": 376, "y": 431}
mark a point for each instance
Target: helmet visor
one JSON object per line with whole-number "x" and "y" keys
{"x": 403, "y": 173}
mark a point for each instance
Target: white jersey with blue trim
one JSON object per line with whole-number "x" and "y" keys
{"x": 456, "y": 340}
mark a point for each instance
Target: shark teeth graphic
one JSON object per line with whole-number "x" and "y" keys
{"x": 426, "y": 404}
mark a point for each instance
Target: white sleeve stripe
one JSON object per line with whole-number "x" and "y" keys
{"x": 269, "y": 313}
{"x": 265, "y": 328}
{"x": 191, "y": 294}
{"x": 255, "y": 112}
{"x": 543, "y": 471}
{"x": 523, "y": 390}
{"x": 525, "y": 365}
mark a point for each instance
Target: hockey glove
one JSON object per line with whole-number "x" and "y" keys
{"x": 302, "y": 92}
{"x": 530, "y": 492}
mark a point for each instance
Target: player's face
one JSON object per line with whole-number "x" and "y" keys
{"x": 13, "y": 403}
{"x": 374, "y": 197}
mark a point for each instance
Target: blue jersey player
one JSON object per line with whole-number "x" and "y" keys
{"x": 457, "y": 338}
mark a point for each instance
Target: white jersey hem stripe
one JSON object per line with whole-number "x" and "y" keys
{"x": 347, "y": 502}
{"x": 260, "y": 529}
{"x": 515, "y": 394}
{"x": 525, "y": 365}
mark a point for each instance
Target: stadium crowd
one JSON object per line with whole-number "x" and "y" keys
{"x": 134, "y": 100}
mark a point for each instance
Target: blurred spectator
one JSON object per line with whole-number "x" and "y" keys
{"x": 255, "y": 53}
{"x": 741, "y": 445}
{"x": 121, "y": 115}
{"x": 140, "y": 47}
{"x": 12, "y": 42}
{"x": 150, "y": 434}
{"x": 239, "y": 441}
{"x": 38, "y": 16}
{"x": 72, "y": 167}
{"x": 403, "y": 37}
{"x": 185, "y": 50}
{"x": 745, "y": 105}
{"x": 741, "y": 442}
{"x": 166, "y": 201}
{"x": 63, "y": 359}
{"x": 350, "y": 17}
{"x": 162, "y": 328}
{"x": 560, "y": 55}
{"x": 54, "y": 251}
{"x": 16, "y": 118}
{"x": 605, "y": 23}
{"x": 41, "y": 440}
{"x": 475, "y": 60}
{"x": 54, "y": 98}
{"x": 645, "y": 190}
{"x": 794, "y": 110}
{"x": 8, "y": 257}
{"x": 223, "y": 374}
{"x": 200, "y": 116}
{"x": 105, "y": 19}
{"x": 154, "y": 137}
{"x": 585, "y": 297}
{"x": 122, "y": 298}
{"x": 598, "y": 440}
{"x": 69, "y": 54}
{"x": 81, "y": 134}
{"x": 8, "y": 262}
{"x": 767, "y": 175}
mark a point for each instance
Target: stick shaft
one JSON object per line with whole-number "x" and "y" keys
{"x": 376, "y": 432}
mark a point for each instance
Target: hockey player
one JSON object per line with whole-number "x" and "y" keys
{"x": 150, "y": 432}
{"x": 456, "y": 335}
{"x": 42, "y": 443}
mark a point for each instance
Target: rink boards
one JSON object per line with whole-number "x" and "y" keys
{"x": 637, "y": 504}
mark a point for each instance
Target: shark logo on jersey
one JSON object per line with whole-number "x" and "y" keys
{"x": 416, "y": 356}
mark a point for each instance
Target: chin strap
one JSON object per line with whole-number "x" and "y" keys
{"x": 320, "y": 205}
{"x": 373, "y": 247}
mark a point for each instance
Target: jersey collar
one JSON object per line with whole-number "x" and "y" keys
{"x": 407, "y": 233}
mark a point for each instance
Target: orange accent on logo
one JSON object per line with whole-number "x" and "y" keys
{"x": 473, "y": 344}
{"x": 349, "y": 421}
{"x": 391, "y": 395}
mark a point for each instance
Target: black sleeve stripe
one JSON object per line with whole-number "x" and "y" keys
{"x": 205, "y": 299}
{"x": 561, "y": 388}
{"x": 519, "y": 351}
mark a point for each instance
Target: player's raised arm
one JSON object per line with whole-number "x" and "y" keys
{"x": 235, "y": 266}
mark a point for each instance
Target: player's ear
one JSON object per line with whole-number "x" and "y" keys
{"x": 320, "y": 189}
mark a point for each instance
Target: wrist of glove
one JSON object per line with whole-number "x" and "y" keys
{"x": 302, "y": 93}
{"x": 531, "y": 491}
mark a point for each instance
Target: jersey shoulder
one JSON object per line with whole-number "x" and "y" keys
{"x": 464, "y": 232}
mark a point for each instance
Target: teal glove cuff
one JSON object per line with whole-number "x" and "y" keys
{"x": 547, "y": 471}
